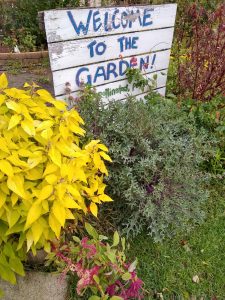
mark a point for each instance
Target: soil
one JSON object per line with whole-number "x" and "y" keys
{"x": 38, "y": 74}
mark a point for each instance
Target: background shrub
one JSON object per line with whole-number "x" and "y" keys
{"x": 156, "y": 150}
{"x": 201, "y": 71}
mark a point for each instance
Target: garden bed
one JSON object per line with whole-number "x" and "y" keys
{"x": 25, "y": 58}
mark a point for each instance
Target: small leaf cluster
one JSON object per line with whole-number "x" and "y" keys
{"x": 100, "y": 267}
{"x": 155, "y": 179}
{"x": 46, "y": 175}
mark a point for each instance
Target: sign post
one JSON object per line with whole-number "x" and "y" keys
{"x": 97, "y": 45}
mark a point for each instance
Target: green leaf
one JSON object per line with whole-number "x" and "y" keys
{"x": 123, "y": 241}
{"x": 96, "y": 279}
{"x": 76, "y": 239}
{"x": 17, "y": 266}
{"x": 7, "y": 274}
{"x": 126, "y": 276}
{"x": 94, "y": 298}
{"x": 102, "y": 237}
{"x": 116, "y": 239}
{"x": 91, "y": 231}
{"x": 132, "y": 267}
{"x": 8, "y": 250}
{"x": 116, "y": 298}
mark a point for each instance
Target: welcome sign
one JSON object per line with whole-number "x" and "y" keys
{"x": 97, "y": 45}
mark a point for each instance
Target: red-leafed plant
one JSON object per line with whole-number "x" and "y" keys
{"x": 201, "y": 71}
{"x": 101, "y": 268}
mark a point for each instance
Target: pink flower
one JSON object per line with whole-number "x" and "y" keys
{"x": 86, "y": 278}
{"x": 92, "y": 249}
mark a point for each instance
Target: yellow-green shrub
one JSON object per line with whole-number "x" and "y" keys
{"x": 46, "y": 177}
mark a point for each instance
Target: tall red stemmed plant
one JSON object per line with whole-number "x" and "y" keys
{"x": 201, "y": 71}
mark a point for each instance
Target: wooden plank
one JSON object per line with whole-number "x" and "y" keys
{"x": 63, "y": 25}
{"x": 77, "y": 53}
{"x": 122, "y": 89}
{"x": 161, "y": 91}
{"x": 76, "y": 75}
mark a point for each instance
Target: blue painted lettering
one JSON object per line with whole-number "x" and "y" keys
{"x": 91, "y": 48}
{"x": 81, "y": 26}
{"x": 146, "y": 18}
{"x": 100, "y": 72}
{"x": 144, "y": 63}
{"x": 114, "y": 19}
{"x": 106, "y": 23}
{"x": 96, "y": 21}
{"x": 80, "y": 79}
{"x": 124, "y": 19}
{"x": 111, "y": 69}
{"x": 127, "y": 43}
{"x": 100, "y": 48}
{"x": 123, "y": 65}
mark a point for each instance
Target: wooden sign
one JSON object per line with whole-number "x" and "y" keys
{"x": 97, "y": 45}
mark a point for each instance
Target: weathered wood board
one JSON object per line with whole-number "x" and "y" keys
{"x": 58, "y": 25}
{"x": 123, "y": 89}
{"x": 97, "y": 45}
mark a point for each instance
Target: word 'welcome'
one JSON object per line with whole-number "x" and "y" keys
{"x": 109, "y": 21}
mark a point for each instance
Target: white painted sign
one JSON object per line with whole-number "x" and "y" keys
{"x": 97, "y": 45}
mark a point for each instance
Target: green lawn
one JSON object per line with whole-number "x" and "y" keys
{"x": 168, "y": 268}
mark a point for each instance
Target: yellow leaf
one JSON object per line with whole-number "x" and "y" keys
{"x": 44, "y": 94}
{"x": 45, "y": 206}
{"x": 24, "y": 153}
{"x": 103, "y": 147}
{"x": 13, "y": 106}
{"x": 2, "y": 199}
{"x": 47, "y": 133}
{"x": 80, "y": 175}
{"x": 14, "y": 199}
{"x": 15, "y": 119}
{"x": 6, "y": 168}
{"x": 34, "y": 161}
{"x": 26, "y": 85}
{"x": 16, "y": 184}
{"x": 44, "y": 125}
{"x": 54, "y": 224}
{"x": 69, "y": 215}
{"x": 28, "y": 127}
{"x": 51, "y": 179}
{"x": 105, "y": 156}
{"x": 2, "y": 100}
{"x": 37, "y": 230}
{"x": 61, "y": 189}
{"x": 76, "y": 129}
{"x": 4, "y": 188}
{"x": 68, "y": 202}
{"x": 3, "y": 81}
{"x": 59, "y": 212}
{"x": 74, "y": 192}
{"x": 34, "y": 174}
{"x": 51, "y": 168}
{"x": 45, "y": 192}
{"x": 14, "y": 159}
{"x": 12, "y": 216}
{"x": 3, "y": 145}
{"x": 94, "y": 209}
{"x": 55, "y": 156}
{"x": 33, "y": 214}
{"x": 30, "y": 240}
{"x": 65, "y": 149}
{"x": 97, "y": 160}
{"x": 105, "y": 198}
